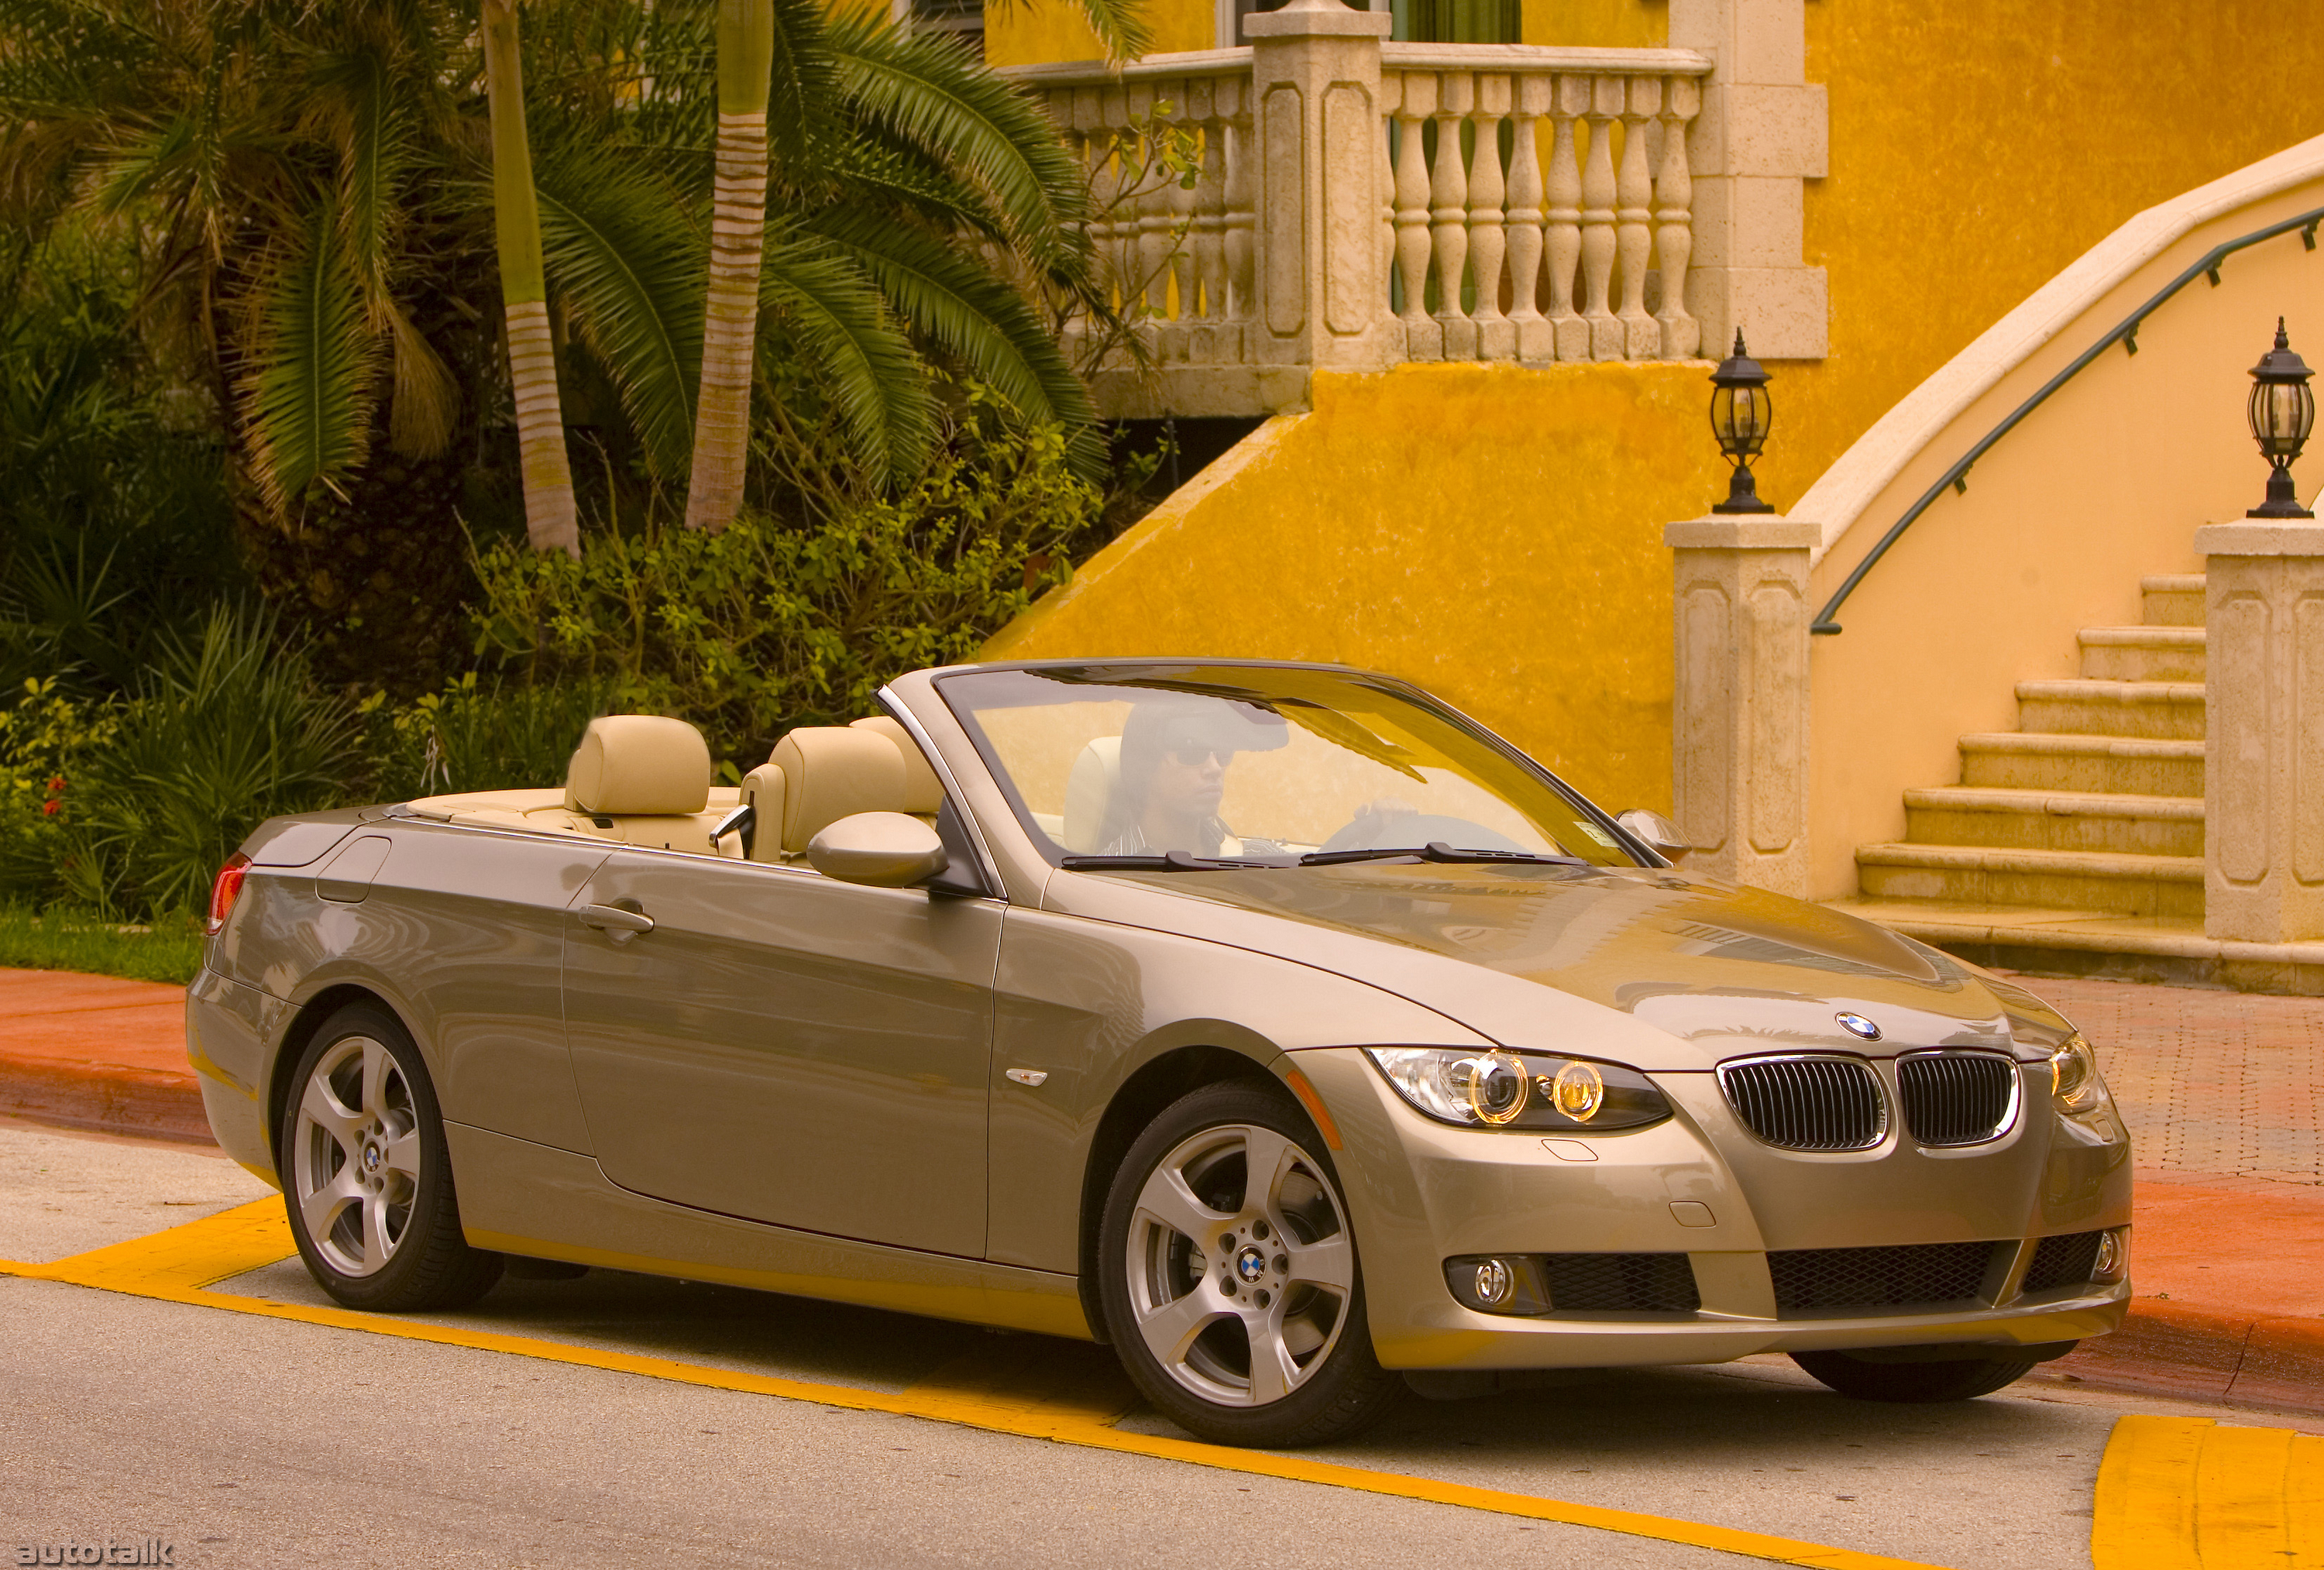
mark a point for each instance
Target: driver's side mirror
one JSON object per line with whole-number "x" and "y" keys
{"x": 885, "y": 849}
{"x": 1659, "y": 832}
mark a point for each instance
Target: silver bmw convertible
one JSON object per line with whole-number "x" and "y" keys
{"x": 1275, "y": 1023}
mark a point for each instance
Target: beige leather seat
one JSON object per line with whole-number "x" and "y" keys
{"x": 1089, "y": 794}
{"x": 642, "y": 778}
{"x": 820, "y": 773}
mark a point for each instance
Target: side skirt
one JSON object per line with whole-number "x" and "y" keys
{"x": 531, "y": 1199}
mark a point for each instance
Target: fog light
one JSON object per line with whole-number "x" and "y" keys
{"x": 2114, "y": 1255}
{"x": 1497, "y": 1283}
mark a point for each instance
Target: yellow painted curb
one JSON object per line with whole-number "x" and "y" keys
{"x": 176, "y": 1266}
{"x": 2184, "y": 1493}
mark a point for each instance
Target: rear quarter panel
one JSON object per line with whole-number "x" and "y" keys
{"x": 461, "y": 932}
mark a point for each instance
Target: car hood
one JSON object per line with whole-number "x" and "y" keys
{"x": 1656, "y": 968}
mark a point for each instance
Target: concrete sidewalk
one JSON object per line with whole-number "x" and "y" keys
{"x": 2222, "y": 1092}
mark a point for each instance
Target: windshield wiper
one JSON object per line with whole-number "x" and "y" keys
{"x": 1436, "y": 850}
{"x": 1169, "y": 862}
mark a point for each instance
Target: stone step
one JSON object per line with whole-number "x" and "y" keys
{"x": 2111, "y": 883}
{"x": 2142, "y": 654}
{"x": 2083, "y": 821}
{"x": 2171, "y": 600}
{"x": 2108, "y": 765}
{"x": 2169, "y": 710}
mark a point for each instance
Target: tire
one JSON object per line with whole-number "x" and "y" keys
{"x": 367, "y": 1176}
{"x": 1961, "y": 1381}
{"x": 1240, "y": 1312}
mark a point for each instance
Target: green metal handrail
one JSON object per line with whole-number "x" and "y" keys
{"x": 2125, "y": 334}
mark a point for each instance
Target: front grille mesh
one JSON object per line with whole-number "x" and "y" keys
{"x": 1638, "y": 1283}
{"x": 1896, "y": 1277}
{"x": 2065, "y": 1260}
{"x": 1808, "y": 1104}
{"x": 1955, "y": 1097}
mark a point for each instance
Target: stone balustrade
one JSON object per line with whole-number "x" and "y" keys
{"x": 1327, "y": 198}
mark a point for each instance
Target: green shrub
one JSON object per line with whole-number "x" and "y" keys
{"x": 474, "y": 736}
{"x": 773, "y": 622}
{"x": 45, "y": 741}
{"x": 226, "y": 729}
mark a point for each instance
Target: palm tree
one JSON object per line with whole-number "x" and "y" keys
{"x": 551, "y": 518}
{"x": 753, "y": 36}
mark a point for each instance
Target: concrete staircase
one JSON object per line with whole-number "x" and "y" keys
{"x": 2083, "y": 830}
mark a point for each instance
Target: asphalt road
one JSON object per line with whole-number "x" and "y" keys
{"x": 251, "y": 1441}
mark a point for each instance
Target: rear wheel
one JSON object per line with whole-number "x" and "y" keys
{"x": 367, "y": 1176}
{"x": 1960, "y": 1380}
{"x": 1229, "y": 1275}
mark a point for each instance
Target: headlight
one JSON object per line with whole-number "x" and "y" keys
{"x": 1521, "y": 1090}
{"x": 2074, "y": 1082}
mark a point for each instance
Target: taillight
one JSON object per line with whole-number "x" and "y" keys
{"x": 225, "y": 891}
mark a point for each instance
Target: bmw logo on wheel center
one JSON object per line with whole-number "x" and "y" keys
{"x": 1855, "y": 1025}
{"x": 1250, "y": 1264}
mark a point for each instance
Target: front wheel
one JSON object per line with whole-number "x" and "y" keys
{"x": 1228, "y": 1278}
{"x": 367, "y": 1175}
{"x": 1958, "y": 1380}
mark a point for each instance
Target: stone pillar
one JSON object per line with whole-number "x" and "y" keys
{"x": 1763, "y": 131}
{"x": 1740, "y": 714}
{"x": 2264, "y": 761}
{"x": 1322, "y": 278}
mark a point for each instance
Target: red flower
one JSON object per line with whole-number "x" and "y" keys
{"x": 56, "y": 786}
{"x": 49, "y": 809}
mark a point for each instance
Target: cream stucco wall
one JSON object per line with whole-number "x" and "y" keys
{"x": 2104, "y": 484}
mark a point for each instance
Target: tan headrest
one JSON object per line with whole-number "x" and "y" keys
{"x": 923, "y": 792}
{"x": 763, "y": 791}
{"x": 1089, "y": 794}
{"x": 834, "y": 771}
{"x": 638, "y": 764}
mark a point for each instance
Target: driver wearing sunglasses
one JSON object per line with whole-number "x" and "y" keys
{"x": 1173, "y": 769}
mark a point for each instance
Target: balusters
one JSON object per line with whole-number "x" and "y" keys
{"x": 1391, "y": 96}
{"x": 1496, "y": 335}
{"x": 1456, "y": 95}
{"x": 1570, "y": 333}
{"x": 1534, "y": 339}
{"x": 1423, "y": 339}
{"x": 1209, "y": 272}
{"x": 1597, "y": 195}
{"x": 1175, "y": 281}
{"x": 1675, "y": 212}
{"x": 1234, "y": 99}
{"x": 1642, "y": 335}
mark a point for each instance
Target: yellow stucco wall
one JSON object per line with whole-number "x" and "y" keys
{"x": 1020, "y": 33}
{"x": 1975, "y": 150}
{"x": 1491, "y": 533}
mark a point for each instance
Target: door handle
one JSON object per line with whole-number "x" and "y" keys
{"x": 616, "y": 922}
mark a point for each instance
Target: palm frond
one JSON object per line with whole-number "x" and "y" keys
{"x": 935, "y": 96}
{"x": 628, "y": 263}
{"x": 946, "y": 297}
{"x": 365, "y": 114}
{"x": 307, "y": 389}
{"x": 805, "y": 86}
{"x": 840, "y": 326}
{"x": 424, "y": 408}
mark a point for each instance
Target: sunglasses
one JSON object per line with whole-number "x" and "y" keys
{"x": 1194, "y": 754}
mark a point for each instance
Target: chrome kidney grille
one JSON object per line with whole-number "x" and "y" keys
{"x": 1953, "y": 1098}
{"x": 1808, "y": 1103}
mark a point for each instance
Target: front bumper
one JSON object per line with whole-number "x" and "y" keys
{"x": 1421, "y": 1193}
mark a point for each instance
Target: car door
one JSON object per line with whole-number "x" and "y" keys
{"x": 785, "y": 1047}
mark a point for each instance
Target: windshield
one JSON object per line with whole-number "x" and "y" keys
{"x": 1220, "y": 761}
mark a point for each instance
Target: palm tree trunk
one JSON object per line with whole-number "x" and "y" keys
{"x": 551, "y": 522}
{"x": 721, "y": 418}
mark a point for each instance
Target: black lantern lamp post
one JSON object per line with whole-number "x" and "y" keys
{"x": 2283, "y": 412}
{"x": 1740, "y": 414}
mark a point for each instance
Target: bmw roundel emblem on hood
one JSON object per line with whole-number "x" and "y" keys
{"x": 1855, "y": 1025}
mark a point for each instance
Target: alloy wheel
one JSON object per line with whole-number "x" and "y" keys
{"x": 1241, "y": 1267}
{"x": 355, "y": 1156}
